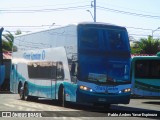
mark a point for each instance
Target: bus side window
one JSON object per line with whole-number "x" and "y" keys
{"x": 60, "y": 70}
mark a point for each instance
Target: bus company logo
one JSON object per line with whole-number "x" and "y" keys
{"x": 6, "y": 114}
{"x": 106, "y": 89}
{"x": 101, "y": 88}
{"x": 34, "y": 56}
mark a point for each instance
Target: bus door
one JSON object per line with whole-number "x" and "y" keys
{"x": 53, "y": 80}
{"x": 13, "y": 82}
{"x": 59, "y": 77}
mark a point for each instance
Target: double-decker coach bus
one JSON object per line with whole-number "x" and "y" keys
{"x": 84, "y": 63}
{"x": 146, "y": 76}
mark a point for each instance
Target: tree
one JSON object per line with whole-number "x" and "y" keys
{"x": 6, "y": 46}
{"x": 147, "y": 46}
{"x": 18, "y": 32}
{"x": 8, "y": 40}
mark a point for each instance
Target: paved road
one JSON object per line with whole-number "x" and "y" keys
{"x": 11, "y": 102}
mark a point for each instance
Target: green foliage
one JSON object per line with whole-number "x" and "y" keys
{"x": 18, "y": 32}
{"x": 149, "y": 46}
{"x": 146, "y": 46}
{"x": 7, "y": 41}
{"x": 6, "y": 46}
{"x": 135, "y": 50}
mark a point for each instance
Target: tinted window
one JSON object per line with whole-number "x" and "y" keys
{"x": 60, "y": 70}
{"x": 115, "y": 39}
{"x": 96, "y": 49}
{"x": 147, "y": 69}
{"x": 42, "y": 70}
{"x": 103, "y": 38}
{"x": 89, "y": 38}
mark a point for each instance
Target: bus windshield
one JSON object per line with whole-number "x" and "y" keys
{"x": 99, "y": 69}
{"x": 104, "y": 55}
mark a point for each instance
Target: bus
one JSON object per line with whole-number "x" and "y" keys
{"x": 86, "y": 63}
{"x": 2, "y": 75}
{"x": 146, "y": 76}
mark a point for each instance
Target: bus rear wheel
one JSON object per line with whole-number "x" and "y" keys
{"x": 20, "y": 91}
{"x": 26, "y": 95}
{"x": 26, "y": 92}
{"x": 21, "y": 94}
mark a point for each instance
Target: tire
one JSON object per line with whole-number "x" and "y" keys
{"x": 20, "y": 91}
{"x": 26, "y": 92}
{"x": 21, "y": 94}
{"x": 27, "y": 97}
{"x": 61, "y": 97}
{"x": 19, "y": 87}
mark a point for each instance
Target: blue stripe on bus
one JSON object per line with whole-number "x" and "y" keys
{"x": 70, "y": 89}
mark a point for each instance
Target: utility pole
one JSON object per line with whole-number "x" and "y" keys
{"x": 154, "y": 31}
{"x": 1, "y": 52}
{"x": 93, "y": 4}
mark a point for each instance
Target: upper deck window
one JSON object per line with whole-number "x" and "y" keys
{"x": 103, "y": 38}
{"x": 89, "y": 38}
{"x": 116, "y": 39}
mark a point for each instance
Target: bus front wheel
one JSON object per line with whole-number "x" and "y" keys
{"x": 61, "y": 97}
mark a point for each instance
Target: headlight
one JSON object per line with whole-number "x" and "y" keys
{"x": 125, "y": 90}
{"x": 85, "y": 88}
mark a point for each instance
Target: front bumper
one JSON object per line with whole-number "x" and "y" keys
{"x": 99, "y": 98}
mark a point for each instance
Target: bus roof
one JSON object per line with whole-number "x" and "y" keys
{"x": 74, "y": 24}
{"x": 101, "y": 24}
{"x": 145, "y": 58}
{"x": 47, "y": 29}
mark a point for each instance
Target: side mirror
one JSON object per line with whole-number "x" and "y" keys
{"x": 73, "y": 69}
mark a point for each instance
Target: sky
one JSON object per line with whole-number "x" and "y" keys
{"x": 140, "y": 17}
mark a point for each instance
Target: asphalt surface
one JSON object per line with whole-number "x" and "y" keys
{"x": 49, "y": 109}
